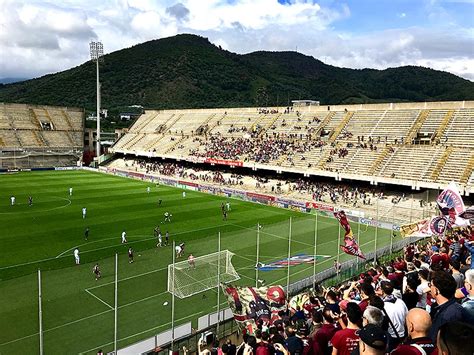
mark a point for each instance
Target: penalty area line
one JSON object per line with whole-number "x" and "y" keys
{"x": 99, "y": 299}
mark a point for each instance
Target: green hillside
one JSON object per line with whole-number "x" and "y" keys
{"x": 187, "y": 71}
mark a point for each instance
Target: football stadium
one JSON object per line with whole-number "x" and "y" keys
{"x": 251, "y": 229}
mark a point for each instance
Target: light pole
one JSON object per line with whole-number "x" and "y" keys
{"x": 97, "y": 53}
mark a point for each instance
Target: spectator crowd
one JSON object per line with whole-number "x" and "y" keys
{"x": 422, "y": 303}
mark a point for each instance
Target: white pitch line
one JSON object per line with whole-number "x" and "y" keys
{"x": 90, "y": 251}
{"x": 140, "y": 235}
{"x": 39, "y": 211}
{"x": 150, "y": 329}
{"x": 99, "y": 299}
{"x": 137, "y": 301}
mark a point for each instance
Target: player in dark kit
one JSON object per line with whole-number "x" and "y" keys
{"x": 130, "y": 255}
{"x": 30, "y": 201}
{"x": 159, "y": 202}
{"x": 86, "y": 233}
{"x": 167, "y": 238}
{"x": 224, "y": 215}
{"x": 96, "y": 271}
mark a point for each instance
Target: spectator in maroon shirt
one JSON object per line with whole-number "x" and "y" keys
{"x": 322, "y": 338}
{"x": 437, "y": 261}
{"x": 346, "y": 340}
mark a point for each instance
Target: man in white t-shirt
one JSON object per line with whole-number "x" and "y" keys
{"x": 84, "y": 212}
{"x": 12, "y": 200}
{"x": 124, "y": 237}
{"x": 76, "y": 256}
{"x": 423, "y": 288}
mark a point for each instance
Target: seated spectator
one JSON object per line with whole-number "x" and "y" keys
{"x": 443, "y": 287}
{"x": 418, "y": 323}
{"x": 455, "y": 338}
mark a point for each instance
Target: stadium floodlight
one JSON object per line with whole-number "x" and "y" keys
{"x": 185, "y": 280}
{"x": 97, "y": 53}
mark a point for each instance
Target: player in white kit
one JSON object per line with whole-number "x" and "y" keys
{"x": 76, "y": 256}
{"x": 124, "y": 236}
{"x": 84, "y": 212}
{"x": 70, "y": 191}
{"x": 12, "y": 200}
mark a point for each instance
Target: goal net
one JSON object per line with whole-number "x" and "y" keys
{"x": 185, "y": 280}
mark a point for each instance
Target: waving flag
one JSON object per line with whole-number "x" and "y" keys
{"x": 251, "y": 305}
{"x": 350, "y": 244}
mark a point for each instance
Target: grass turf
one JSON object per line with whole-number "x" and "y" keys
{"x": 78, "y": 312}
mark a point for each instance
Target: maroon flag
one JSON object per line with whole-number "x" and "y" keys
{"x": 350, "y": 244}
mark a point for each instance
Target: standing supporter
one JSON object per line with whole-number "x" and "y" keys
{"x": 469, "y": 245}
{"x": 454, "y": 266}
{"x": 410, "y": 295}
{"x": 294, "y": 343}
{"x": 366, "y": 290}
{"x": 455, "y": 249}
{"x": 455, "y": 338}
{"x": 373, "y": 315}
{"x": 332, "y": 301}
{"x": 468, "y": 302}
{"x": 396, "y": 311}
{"x": 373, "y": 340}
{"x": 443, "y": 287}
{"x": 423, "y": 288}
{"x": 418, "y": 323}
{"x": 322, "y": 338}
{"x": 346, "y": 340}
{"x": 436, "y": 260}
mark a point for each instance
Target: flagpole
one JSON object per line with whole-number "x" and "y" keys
{"x": 40, "y": 314}
{"x": 288, "y": 262}
{"x": 172, "y": 295}
{"x": 258, "y": 254}
{"x": 218, "y": 285}
{"x": 376, "y": 229}
{"x": 315, "y": 249}
{"x": 338, "y": 247}
{"x": 411, "y": 209}
{"x": 115, "y": 304}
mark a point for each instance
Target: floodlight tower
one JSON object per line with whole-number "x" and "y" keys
{"x": 97, "y": 53}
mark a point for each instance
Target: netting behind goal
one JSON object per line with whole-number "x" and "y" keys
{"x": 188, "y": 280}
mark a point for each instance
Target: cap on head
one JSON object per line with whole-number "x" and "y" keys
{"x": 373, "y": 336}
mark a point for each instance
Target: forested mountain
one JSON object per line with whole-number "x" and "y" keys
{"x": 187, "y": 71}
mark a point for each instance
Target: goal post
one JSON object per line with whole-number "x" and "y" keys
{"x": 207, "y": 271}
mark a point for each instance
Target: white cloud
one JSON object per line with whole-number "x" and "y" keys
{"x": 41, "y": 36}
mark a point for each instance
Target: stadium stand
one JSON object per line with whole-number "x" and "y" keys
{"x": 40, "y": 136}
{"x": 412, "y": 144}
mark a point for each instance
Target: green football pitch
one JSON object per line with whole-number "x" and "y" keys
{"x": 78, "y": 315}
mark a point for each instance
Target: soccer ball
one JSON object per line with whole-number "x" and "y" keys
{"x": 165, "y": 304}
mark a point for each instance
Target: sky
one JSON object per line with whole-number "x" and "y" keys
{"x": 39, "y": 37}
